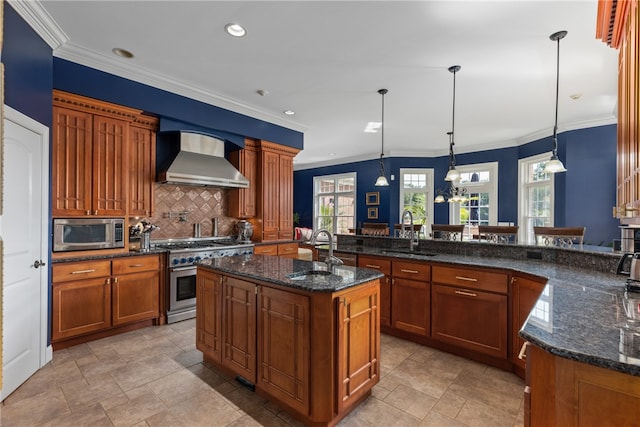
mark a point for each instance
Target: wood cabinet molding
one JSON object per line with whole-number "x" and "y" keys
{"x": 94, "y": 106}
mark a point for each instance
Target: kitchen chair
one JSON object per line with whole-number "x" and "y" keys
{"x": 564, "y": 237}
{"x": 417, "y": 230}
{"x": 375, "y": 229}
{"x": 498, "y": 233}
{"x": 447, "y": 232}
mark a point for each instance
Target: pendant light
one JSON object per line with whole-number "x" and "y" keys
{"x": 554, "y": 164}
{"x": 382, "y": 180}
{"x": 453, "y": 174}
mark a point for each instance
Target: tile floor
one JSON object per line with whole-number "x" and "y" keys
{"x": 155, "y": 377}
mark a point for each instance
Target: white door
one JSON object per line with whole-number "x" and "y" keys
{"x": 24, "y": 230}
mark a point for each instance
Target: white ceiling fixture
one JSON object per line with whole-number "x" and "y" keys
{"x": 329, "y": 75}
{"x": 235, "y": 30}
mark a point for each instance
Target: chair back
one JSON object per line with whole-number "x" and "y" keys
{"x": 498, "y": 233}
{"x": 447, "y": 231}
{"x": 375, "y": 228}
{"x": 559, "y": 236}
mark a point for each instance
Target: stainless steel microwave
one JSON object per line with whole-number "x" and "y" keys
{"x": 83, "y": 234}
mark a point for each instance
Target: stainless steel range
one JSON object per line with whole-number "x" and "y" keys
{"x": 183, "y": 255}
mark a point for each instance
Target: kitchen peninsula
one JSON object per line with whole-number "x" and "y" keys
{"x": 305, "y": 337}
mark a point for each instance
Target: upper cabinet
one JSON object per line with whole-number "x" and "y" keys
{"x": 271, "y": 174}
{"x": 103, "y": 157}
{"x": 617, "y": 25}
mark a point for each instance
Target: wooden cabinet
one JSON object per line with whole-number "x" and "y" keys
{"x": 284, "y": 346}
{"x": 411, "y": 299}
{"x": 81, "y": 298}
{"x": 242, "y": 201}
{"x": 358, "y": 345}
{"x": 567, "y": 393}
{"x": 142, "y": 168}
{"x": 209, "y": 314}
{"x": 346, "y": 258}
{"x": 286, "y": 250}
{"x": 384, "y": 266}
{"x": 135, "y": 290}
{"x": 91, "y": 173}
{"x": 273, "y": 219}
{"x": 525, "y": 291}
{"x": 469, "y": 309}
{"x": 239, "y": 327}
{"x": 97, "y": 296}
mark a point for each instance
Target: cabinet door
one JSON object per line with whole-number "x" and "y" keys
{"x": 470, "y": 319}
{"x": 109, "y": 178}
{"x": 239, "y": 334}
{"x": 135, "y": 297}
{"x": 209, "y": 314}
{"x": 283, "y": 346}
{"x": 71, "y": 163}
{"x": 525, "y": 293}
{"x": 80, "y": 307}
{"x": 142, "y": 171}
{"x": 242, "y": 201}
{"x": 384, "y": 266}
{"x": 285, "y": 198}
{"x": 270, "y": 195}
{"x": 358, "y": 359}
{"x": 411, "y": 306}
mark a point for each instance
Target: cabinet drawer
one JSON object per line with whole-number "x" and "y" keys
{"x": 81, "y": 270}
{"x": 135, "y": 264}
{"x": 265, "y": 250}
{"x": 381, "y": 264}
{"x": 411, "y": 270}
{"x": 288, "y": 250}
{"x": 471, "y": 278}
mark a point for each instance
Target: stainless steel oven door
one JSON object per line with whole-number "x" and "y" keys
{"x": 182, "y": 292}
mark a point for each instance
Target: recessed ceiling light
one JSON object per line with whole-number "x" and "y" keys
{"x": 372, "y": 127}
{"x": 262, "y": 92}
{"x": 235, "y": 30}
{"x": 332, "y": 154}
{"x": 123, "y": 53}
{"x": 289, "y": 112}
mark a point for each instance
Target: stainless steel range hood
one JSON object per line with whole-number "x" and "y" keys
{"x": 200, "y": 162}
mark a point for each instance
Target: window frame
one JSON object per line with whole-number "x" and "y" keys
{"x": 316, "y": 196}
{"x": 523, "y": 189}
{"x": 429, "y": 192}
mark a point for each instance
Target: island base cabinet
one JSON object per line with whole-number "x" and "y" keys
{"x": 239, "y": 322}
{"x": 358, "y": 345}
{"x": 470, "y": 319}
{"x": 567, "y": 393}
{"x": 283, "y": 347}
{"x": 208, "y": 315}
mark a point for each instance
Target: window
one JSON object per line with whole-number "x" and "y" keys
{"x": 481, "y": 208}
{"x": 416, "y": 195}
{"x": 535, "y": 207}
{"x": 334, "y": 202}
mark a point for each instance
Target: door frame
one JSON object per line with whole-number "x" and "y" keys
{"x": 10, "y": 114}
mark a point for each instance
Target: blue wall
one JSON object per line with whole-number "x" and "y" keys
{"x": 28, "y": 65}
{"x": 583, "y": 196}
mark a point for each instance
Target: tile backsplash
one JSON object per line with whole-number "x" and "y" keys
{"x": 202, "y": 204}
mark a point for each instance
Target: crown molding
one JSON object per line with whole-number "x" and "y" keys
{"x": 41, "y": 22}
{"x": 89, "y": 58}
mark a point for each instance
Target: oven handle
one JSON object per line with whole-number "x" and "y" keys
{"x": 191, "y": 267}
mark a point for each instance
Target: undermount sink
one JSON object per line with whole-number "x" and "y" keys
{"x": 313, "y": 275}
{"x": 406, "y": 252}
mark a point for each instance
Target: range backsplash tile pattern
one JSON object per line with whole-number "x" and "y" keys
{"x": 202, "y": 204}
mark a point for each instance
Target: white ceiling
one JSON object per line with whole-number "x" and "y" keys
{"x": 326, "y": 61}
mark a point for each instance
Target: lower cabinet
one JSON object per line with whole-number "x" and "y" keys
{"x": 411, "y": 297}
{"x": 525, "y": 292}
{"x": 315, "y": 353}
{"x": 286, "y": 250}
{"x": 384, "y": 266}
{"x": 96, "y": 296}
{"x": 466, "y": 314}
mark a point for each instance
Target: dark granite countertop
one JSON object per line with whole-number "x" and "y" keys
{"x": 289, "y": 272}
{"x": 581, "y": 312}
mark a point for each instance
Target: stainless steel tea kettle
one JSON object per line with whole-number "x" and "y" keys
{"x": 634, "y": 270}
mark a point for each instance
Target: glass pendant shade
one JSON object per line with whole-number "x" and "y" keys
{"x": 452, "y": 174}
{"x": 381, "y": 181}
{"x": 554, "y": 165}
{"x": 439, "y": 199}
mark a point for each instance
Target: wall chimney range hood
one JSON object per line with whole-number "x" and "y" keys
{"x": 198, "y": 160}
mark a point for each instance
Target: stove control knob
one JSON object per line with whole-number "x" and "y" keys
{"x": 175, "y": 261}
{"x": 198, "y": 258}
{"x": 190, "y": 259}
{"x": 183, "y": 260}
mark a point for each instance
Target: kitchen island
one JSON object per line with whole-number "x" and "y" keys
{"x": 302, "y": 335}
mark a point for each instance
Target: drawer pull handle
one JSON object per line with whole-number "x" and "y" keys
{"x": 468, "y": 279}
{"x": 267, "y": 251}
{"x": 372, "y": 266}
{"x": 136, "y": 265}
{"x": 91, "y": 270}
{"x": 467, "y": 293}
{"x": 523, "y": 351}
{"x": 404, "y": 270}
